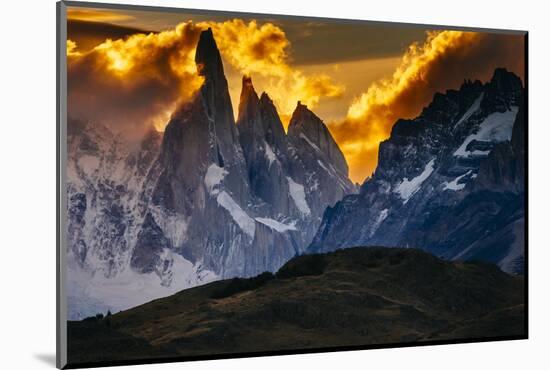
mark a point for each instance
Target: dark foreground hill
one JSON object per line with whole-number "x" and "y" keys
{"x": 349, "y": 297}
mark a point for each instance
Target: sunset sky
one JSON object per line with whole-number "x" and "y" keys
{"x": 129, "y": 69}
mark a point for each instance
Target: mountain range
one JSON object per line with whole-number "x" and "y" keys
{"x": 215, "y": 198}
{"x": 450, "y": 182}
{"x": 210, "y": 198}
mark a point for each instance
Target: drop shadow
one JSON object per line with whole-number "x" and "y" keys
{"x": 46, "y": 358}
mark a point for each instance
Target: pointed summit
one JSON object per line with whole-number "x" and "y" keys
{"x": 503, "y": 91}
{"x": 207, "y": 56}
{"x": 265, "y": 99}
{"x": 258, "y": 119}
{"x": 305, "y": 125}
{"x": 275, "y": 132}
{"x": 505, "y": 80}
{"x": 249, "y": 102}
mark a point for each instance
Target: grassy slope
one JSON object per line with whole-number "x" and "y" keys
{"x": 355, "y": 296}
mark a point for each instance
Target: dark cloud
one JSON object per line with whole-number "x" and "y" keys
{"x": 88, "y": 34}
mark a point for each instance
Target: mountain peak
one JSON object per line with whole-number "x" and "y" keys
{"x": 301, "y": 107}
{"x": 248, "y": 88}
{"x": 247, "y": 81}
{"x": 249, "y": 102}
{"x": 303, "y": 119}
{"x": 305, "y": 125}
{"x": 207, "y": 56}
{"x": 506, "y": 80}
{"x": 264, "y": 98}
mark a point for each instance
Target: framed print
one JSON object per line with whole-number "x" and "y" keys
{"x": 237, "y": 184}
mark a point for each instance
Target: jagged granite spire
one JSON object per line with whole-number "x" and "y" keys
{"x": 208, "y": 58}
{"x": 202, "y": 159}
{"x": 264, "y": 147}
{"x": 274, "y": 130}
{"x": 249, "y": 102}
{"x": 306, "y": 125}
{"x": 259, "y": 120}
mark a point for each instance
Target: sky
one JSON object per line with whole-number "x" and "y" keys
{"x": 130, "y": 69}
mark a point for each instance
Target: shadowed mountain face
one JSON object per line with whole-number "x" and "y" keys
{"x": 450, "y": 182}
{"x": 349, "y": 297}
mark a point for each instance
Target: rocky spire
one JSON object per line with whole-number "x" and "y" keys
{"x": 258, "y": 121}
{"x": 274, "y": 131}
{"x": 249, "y": 102}
{"x": 503, "y": 91}
{"x": 214, "y": 90}
{"x": 207, "y": 57}
{"x": 304, "y": 124}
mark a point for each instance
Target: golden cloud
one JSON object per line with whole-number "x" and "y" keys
{"x": 140, "y": 79}
{"x": 262, "y": 52}
{"x": 444, "y": 60}
{"x": 136, "y": 81}
{"x": 71, "y": 49}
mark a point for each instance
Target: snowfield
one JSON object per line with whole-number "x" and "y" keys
{"x": 213, "y": 177}
{"x": 269, "y": 154}
{"x": 241, "y": 218}
{"x": 276, "y": 225}
{"x": 454, "y": 185}
{"x": 497, "y": 127}
{"x": 407, "y": 188}
{"x": 474, "y": 108}
{"x": 89, "y": 293}
{"x": 298, "y": 195}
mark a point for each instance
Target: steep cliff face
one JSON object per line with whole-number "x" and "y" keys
{"x": 105, "y": 179}
{"x": 263, "y": 141}
{"x": 449, "y": 182}
{"x": 206, "y": 180}
{"x": 305, "y": 125}
{"x": 316, "y": 160}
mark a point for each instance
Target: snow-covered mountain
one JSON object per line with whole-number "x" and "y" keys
{"x": 450, "y": 181}
{"x": 210, "y": 198}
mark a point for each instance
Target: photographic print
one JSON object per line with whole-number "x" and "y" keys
{"x": 239, "y": 184}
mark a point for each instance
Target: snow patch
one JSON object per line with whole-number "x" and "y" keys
{"x": 276, "y": 225}
{"x": 303, "y": 136}
{"x": 381, "y": 217}
{"x": 298, "y": 195}
{"x": 407, "y": 188}
{"x": 245, "y": 222}
{"x": 269, "y": 154}
{"x": 474, "y": 108}
{"x": 213, "y": 177}
{"x": 173, "y": 225}
{"x": 332, "y": 172}
{"x": 454, "y": 185}
{"x": 497, "y": 127}
{"x": 325, "y": 168}
{"x": 89, "y": 294}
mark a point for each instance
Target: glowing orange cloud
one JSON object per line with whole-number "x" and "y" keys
{"x": 444, "y": 60}
{"x": 262, "y": 52}
{"x": 71, "y": 49}
{"x": 166, "y": 59}
{"x": 136, "y": 81}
